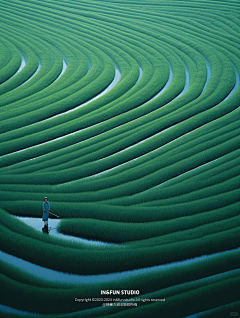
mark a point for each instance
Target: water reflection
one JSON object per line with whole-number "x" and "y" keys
{"x": 53, "y": 229}
{"x": 53, "y": 275}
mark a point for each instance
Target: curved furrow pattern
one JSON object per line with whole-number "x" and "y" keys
{"x": 23, "y": 64}
{"x": 64, "y": 68}
{"x": 34, "y": 74}
{"x": 111, "y": 169}
{"x": 126, "y": 115}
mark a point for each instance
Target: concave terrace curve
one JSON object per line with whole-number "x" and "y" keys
{"x": 151, "y": 165}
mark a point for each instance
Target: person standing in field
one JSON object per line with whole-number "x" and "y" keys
{"x": 46, "y": 210}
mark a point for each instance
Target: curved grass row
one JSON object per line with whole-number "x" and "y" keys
{"x": 71, "y": 136}
{"x": 106, "y": 231}
{"x": 151, "y": 165}
{"x": 168, "y": 289}
{"x": 83, "y": 261}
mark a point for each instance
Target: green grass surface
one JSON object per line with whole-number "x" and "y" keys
{"x": 154, "y": 170}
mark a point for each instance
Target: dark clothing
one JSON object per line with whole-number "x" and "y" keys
{"x": 45, "y": 229}
{"x": 46, "y": 208}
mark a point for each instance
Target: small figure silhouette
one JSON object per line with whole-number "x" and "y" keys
{"x": 45, "y": 229}
{"x": 46, "y": 210}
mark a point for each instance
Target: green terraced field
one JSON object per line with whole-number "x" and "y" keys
{"x": 126, "y": 115}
